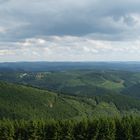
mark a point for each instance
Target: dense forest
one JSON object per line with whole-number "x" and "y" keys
{"x": 126, "y": 128}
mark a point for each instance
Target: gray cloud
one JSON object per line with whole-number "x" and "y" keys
{"x": 24, "y": 19}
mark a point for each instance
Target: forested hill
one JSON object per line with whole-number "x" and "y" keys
{"x": 22, "y": 102}
{"x": 80, "y": 82}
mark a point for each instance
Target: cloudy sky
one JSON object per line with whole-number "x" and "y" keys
{"x": 69, "y": 30}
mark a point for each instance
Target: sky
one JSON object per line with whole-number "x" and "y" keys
{"x": 69, "y": 30}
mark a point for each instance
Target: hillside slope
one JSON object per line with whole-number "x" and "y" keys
{"x": 19, "y": 102}
{"x": 22, "y": 102}
{"x": 25, "y": 102}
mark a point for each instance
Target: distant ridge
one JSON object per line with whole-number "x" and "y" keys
{"x": 59, "y": 66}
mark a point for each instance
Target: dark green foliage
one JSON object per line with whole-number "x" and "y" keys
{"x": 122, "y": 102}
{"x": 80, "y": 130}
{"x": 126, "y": 128}
{"x": 22, "y": 102}
{"x": 106, "y": 129}
{"x": 65, "y": 130}
{"x": 136, "y": 129}
{"x": 133, "y": 90}
{"x": 17, "y": 102}
{"x": 6, "y": 130}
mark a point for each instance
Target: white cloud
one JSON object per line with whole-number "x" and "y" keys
{"x": 70, "y": 48}
{"x": 3, "y": 30}
{"x": 6, "y": 52}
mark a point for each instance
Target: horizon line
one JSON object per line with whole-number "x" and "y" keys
{"x": 115, "y": 61}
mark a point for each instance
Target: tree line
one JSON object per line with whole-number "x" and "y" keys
{"x": 125, "y": 128}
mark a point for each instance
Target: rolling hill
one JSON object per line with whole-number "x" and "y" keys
{"x": 19, "y": 102}
{"x": 79, "y": 82}
{"x": 24, "y": 102}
